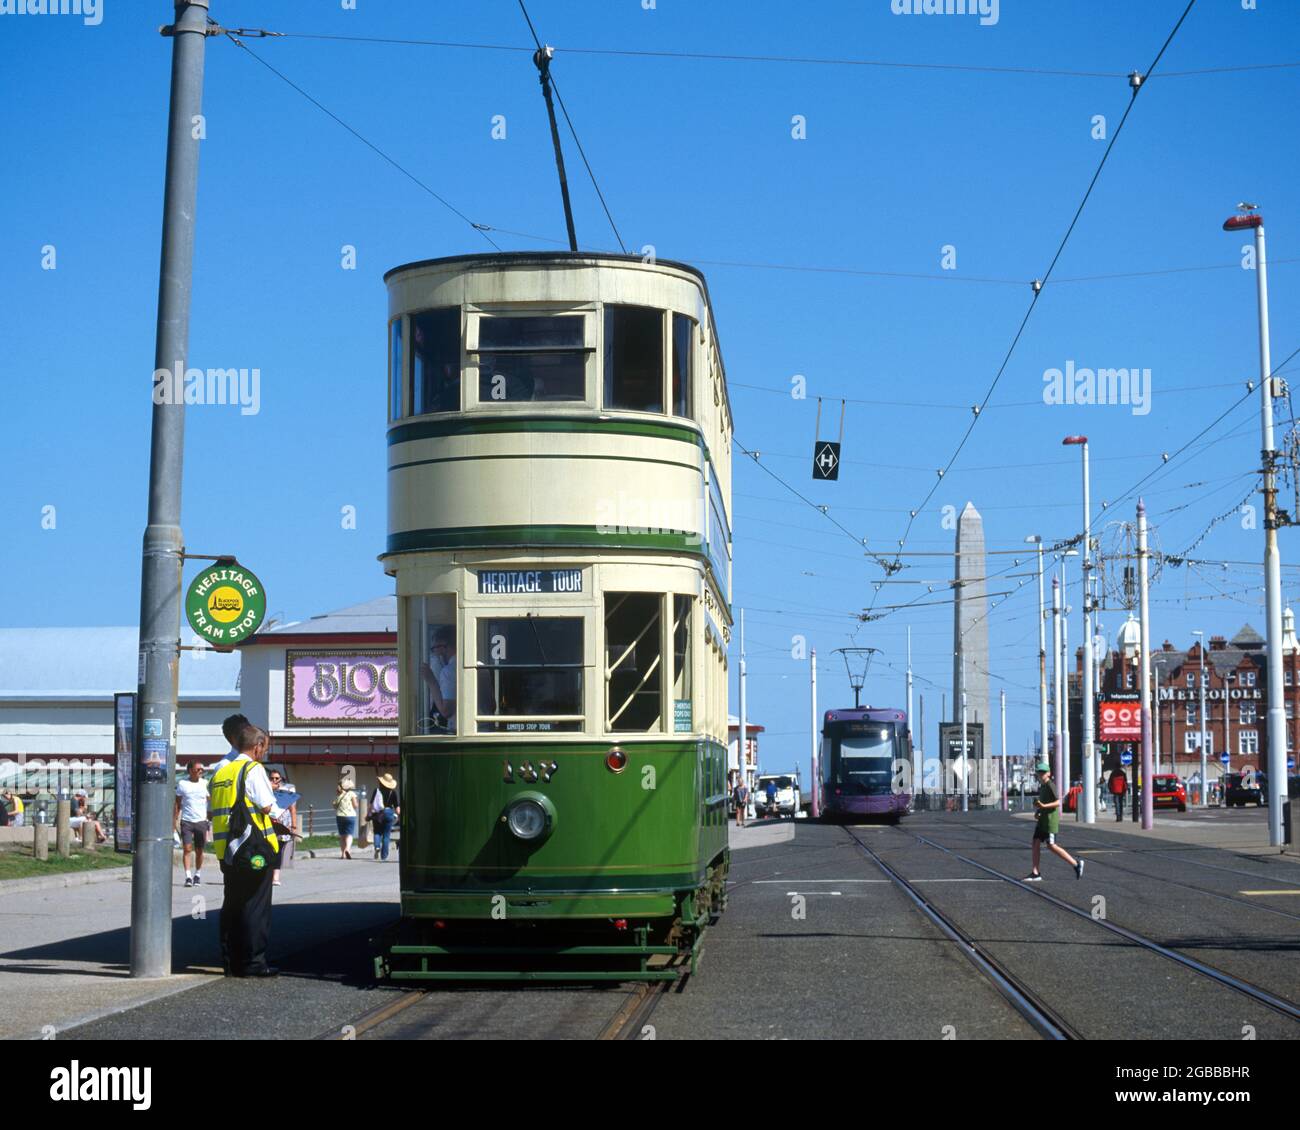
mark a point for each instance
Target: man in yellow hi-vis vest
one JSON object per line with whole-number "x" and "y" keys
{"x": 246, "y": 907}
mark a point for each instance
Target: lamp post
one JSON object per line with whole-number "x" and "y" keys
{"x": 1035, "y": 539}
{"x": 1066, "y": 609}
{"x": 1277, "y": 793}
{"x": 1089, "y": 770}
{"x": 1200, "y": 675}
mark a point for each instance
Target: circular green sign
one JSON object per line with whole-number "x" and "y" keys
{"x": 225, "y": 604}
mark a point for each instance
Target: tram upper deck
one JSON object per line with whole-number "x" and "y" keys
{"x": 557, "y": 399}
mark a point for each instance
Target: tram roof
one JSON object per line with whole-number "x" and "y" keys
{"x": 594, "y": 258}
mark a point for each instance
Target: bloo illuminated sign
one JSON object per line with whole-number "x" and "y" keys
{"x": 340, "y": 688}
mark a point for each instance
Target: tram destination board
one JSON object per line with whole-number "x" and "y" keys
{"x": 508, "y": 581}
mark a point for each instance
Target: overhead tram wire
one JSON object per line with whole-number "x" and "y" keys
{"x": 1166, "y": 461}
{"x": 574, "y": 133}
{"x": 482, "y": 229}
{"x": 802, "y": 60}
{"x": 1039, "y": 284}
{"x": 823, "y": 511}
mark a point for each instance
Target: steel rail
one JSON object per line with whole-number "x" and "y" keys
{"x": 1040, "y": 1016}
{"x": 1254, "y": 992}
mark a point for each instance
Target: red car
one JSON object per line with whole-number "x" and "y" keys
{"x": 1168, "y": 792}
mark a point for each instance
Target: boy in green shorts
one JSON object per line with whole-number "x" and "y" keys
{"x": 1048, "y": 807}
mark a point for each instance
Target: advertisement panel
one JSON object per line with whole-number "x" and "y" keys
{"x": 1119, "y": 721}
{"x": 341, "y": 687}
{"x": 124, "y": 764}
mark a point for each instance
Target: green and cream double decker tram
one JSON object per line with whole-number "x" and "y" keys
{"x": 558, "y": 526}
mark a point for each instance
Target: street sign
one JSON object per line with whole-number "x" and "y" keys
{"x": 1126, "y": 759}
{"x": 1119, "y": 721}
{"x": 225, "y": 604}
{"x": 826, "y": 460}
{"x": 1225, "y": 758}
{"x": 1290, "y": 762}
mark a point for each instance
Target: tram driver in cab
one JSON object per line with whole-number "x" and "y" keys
{"x": 439, "y": 675}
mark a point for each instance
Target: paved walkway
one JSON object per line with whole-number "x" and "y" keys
{"x": 66, "y": 951}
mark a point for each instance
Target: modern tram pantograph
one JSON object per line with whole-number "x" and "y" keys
{"x": 559, "y": 473}
{"x": 866, "y": 764}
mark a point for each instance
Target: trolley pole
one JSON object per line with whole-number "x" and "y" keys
{"x": 912, "y": 765}
{"x": 816, "y": 768}
{"x": 542, "y": 60}
{"x": 1056, "y": 679}
{"x": 1277, "y": 782}
{"x": 160, "y": 573}
{"x": 742, "y": 736}
{"x": 1003, "y": 695}
{"x": 1200, "y": 675}
{"x": 1148, "y": 767}
{"x": 1042, "y": 651}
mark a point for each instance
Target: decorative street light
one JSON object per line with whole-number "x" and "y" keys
{"x": 1086, "y": 705}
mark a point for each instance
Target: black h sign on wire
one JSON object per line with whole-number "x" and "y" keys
{"x": 826, "y": 455}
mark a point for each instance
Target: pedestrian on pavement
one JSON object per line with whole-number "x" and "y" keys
{"x": 742, "y": 801}
{"x": 190, "y": 820}
{"x": 345, "y": 813}
{"x": 1048, "y": 808}
{"x": 385, "y": 810}
{"x": 285, "y": 820}
{"x": 232, "y": 727}
{"x": 15, "y": 804}
{"x": 1119, "y": 790}
{"x": 247, "y": 849}
{"x": 771, "y": 798}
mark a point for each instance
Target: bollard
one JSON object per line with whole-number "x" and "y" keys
{"x": 87, "y": 836}
{"x": 363, "y": 825}
{"x": 41, "y": 841}
{"x": 62, "y": 829}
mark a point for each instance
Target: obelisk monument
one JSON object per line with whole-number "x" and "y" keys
{"x": 970, "y": 625}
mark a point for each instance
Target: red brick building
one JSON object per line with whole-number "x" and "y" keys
{"x": 1236, "y": 698}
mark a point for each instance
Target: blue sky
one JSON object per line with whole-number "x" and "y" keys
{"x": 696, "y": 158}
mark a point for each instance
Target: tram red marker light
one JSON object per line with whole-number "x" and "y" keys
{"x": 616, "y": 760}
{"x": 620, "y": 923}
{"x": 439, "y": 924}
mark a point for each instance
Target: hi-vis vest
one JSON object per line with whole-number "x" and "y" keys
{"x": 222, "y": 791}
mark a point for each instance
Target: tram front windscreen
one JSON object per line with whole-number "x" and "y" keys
{"x": 864, "y": 759}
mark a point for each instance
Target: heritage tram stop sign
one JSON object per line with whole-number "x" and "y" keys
{"x": 826, "y": 455}
{"x": 225, "y": 604}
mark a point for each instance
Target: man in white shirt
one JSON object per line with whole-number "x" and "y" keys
{"x": 190, "y": 819}
{"x": 441, "y": 683}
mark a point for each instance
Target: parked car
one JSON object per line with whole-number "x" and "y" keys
{"x": 787, "y": 795}
{"x": 1168, "y": 792}
{"x": 1238, "y": 792}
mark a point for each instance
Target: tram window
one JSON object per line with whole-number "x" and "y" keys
{"x": 530, "y": 674}
{"x": 435, "y": 361}
{"x": 633, "y": 657}
{"x": 395, "y": 372}
{"x": 433, "y": 664}
{"x": 634, "y": 358}
{"x": 683, "y": 722}
{"x": 683, "y": 363}
{"x": 532, "y": 357}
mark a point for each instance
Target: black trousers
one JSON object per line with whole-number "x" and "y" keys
{"x": 1118, "y": 798}
{"x": 245, "y": 920}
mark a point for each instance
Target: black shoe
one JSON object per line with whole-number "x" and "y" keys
{"x": 265, "y": 971}
{"x": 188, "y": 881}
{"x": 1078, "y": 869}
{"x": 197, "y": 879}
{"x": 1033, "y": 878}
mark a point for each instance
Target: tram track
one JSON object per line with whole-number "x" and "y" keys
{"x": 628, "y": 1022}
{"x": 1093, "y": 845}
{"x": 1036, "y": 1012}
{"x": 1260, "y": 996}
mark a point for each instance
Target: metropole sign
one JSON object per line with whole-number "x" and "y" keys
{"x": 225, "y": 604}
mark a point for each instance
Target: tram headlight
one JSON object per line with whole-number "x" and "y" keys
{"x": 530, "y": 818}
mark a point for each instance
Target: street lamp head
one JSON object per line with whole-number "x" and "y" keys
{"x": 1070, "y": 441}
{"x": 1033, "y": 539}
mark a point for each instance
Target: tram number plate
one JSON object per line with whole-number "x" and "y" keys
{"x": 507, "y": 581}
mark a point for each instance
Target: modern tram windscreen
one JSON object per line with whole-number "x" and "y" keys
{"x": 866, "y": 758}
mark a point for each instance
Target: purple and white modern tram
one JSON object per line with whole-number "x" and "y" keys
{"x": 865, "y": 764}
